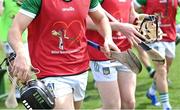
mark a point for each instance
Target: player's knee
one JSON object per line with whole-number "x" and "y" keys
{"x": 113, "y": 104}
{"x": 128, "y": 104}
{"x": 161, "y": 73}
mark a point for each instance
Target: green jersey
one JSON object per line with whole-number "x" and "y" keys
{"x": 10, "y": 10}
{"x": 143, "y": 2}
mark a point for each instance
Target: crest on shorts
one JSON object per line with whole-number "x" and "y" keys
{"x": 106, "y": 70}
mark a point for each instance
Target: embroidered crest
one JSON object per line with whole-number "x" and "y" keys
{"x": 106, "y": 70}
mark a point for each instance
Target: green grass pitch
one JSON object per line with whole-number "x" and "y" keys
{"x": 92, "y": 100}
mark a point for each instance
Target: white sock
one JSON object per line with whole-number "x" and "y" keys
{"x": 164, "y": 97}
{"x": 166, "y": 105}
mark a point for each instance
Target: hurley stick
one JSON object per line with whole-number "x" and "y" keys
{"x": 154, "y": 54}
{"x": 127, "y": 58}
{"x": 11, "y": 101}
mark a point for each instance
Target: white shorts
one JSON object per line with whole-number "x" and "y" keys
{"x": 107, "y": 70}
{"x": 61, "y": 86}
{"x": 165, "y": 48}
{"x": 178, "y": 28}
{"x": 7, "y": 48}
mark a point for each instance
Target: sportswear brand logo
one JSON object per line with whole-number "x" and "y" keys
{"x": 163, "y": 1}
{"x": 68, "y": 9}
{"x": 67, "y": 0}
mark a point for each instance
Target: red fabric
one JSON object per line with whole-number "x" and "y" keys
{"x": 67, "y": 18}
{"x": 166, "y": 17}
{"x": 121, "y": 11}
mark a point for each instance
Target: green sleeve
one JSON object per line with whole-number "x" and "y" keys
{"x": 141, "y": 2}
{"x": 31, "y": 6}
{"x": 101, "y": 1}
{"x": 94, "y": 4}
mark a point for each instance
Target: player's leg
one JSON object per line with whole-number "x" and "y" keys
{"x": 127, "y": 87}
{"x": 170, "y": 53}
{"x": 62, "y": 91}
{"x": 151, "y": 93}
{"x": 169, "y": 61}
{"x": 64, "y": 102}
{"x": 78, "y": 83}
{"x": 106, "y": 82}
{"x": 161, "y": 76}
{"x": 69, "y": 90}
{"x": 160, "y": 70}
{"x": 109, "y": 93}
{"x": 162, "y": 84}
{"x": 77, "y": 104}
{"x": 145, "y": 60}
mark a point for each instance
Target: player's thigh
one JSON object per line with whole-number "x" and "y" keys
{"x": 62, "y": 91}
{"x": 105, "y": 77}
{"x": 170, "y": 52}
{"x": 64, "y": 102}
{"x": 109, "y": 92}
{"x": 77, "y": 104}
{"x": 127, "y": 85}
{"x": 170, "y": 49}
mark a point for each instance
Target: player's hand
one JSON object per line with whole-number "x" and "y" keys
{"x": 130, "y": 31}
{"x": 110, "y": 45}
{"x": 21, "y": 67}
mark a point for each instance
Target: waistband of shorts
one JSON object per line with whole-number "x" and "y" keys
{"x": 64, "y": 75}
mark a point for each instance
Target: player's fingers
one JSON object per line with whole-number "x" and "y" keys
{"x": 137, "y": 40}
{"x": 134, "y": 42}
{"x": 14, "y": 71}
{"x": 138, "y": 34}
{"x": 107, "y": 50}
{"x": 136, "y": 27}
{"x": 130, "y": 41}
{"x": 115, "y": 48}
{"x": 24, "y": 76}
{"x": 35, "y": 70}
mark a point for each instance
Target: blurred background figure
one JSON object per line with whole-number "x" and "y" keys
{"x": 166, "y": 10}
{"x": 8, "y": 10}
{"x": 116, "y": 84}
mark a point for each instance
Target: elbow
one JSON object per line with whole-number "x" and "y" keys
{"x": 104, "y": 19}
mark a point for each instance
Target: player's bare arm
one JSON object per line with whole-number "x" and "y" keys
{"x": 21, "y": 65}
{"x": 103, "y": 26}
{"x": 127, "y": 29}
